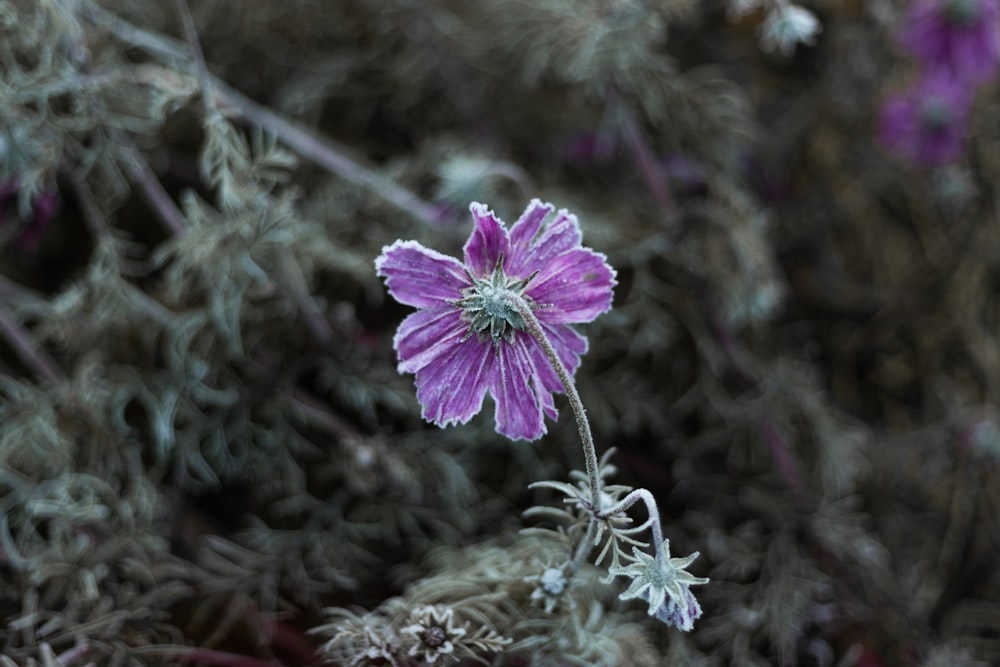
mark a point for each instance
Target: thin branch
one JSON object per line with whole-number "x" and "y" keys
{"x": 311, "y": 145}
{"x": 643, "y": 154}
{"x": 92, "y": 216}
{"x": 12, "y": 291}
{"x": 204, "y": 77}
{"x": 27, "y": 348}
{"x": 150, "y": 187}
{"x": 322, "y": 151}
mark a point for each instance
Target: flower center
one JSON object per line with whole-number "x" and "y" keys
{"x": 488, "y": 305}
{"x": 435, "y": 636}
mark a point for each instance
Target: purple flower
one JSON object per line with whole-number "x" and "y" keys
{"x": 958, "y": 36}
{"x": 467, "y": 338}
{"x": 926, "y": 125}
{"x": 665, "y": 584}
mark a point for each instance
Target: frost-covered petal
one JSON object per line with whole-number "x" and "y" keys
{"x": 420, "y": 277}
{"x": 574, "y": 287}
{"x": 543, "y": 378}
{"x": 638, "y": 588}
{"x": 427, "y": 334}
{"x": 569, "y": 346}
{"x": 681, "y": 612}
{"x": 451, "y": 388}
{"x": 452, "y": 375}
{"x": 524, "y": 231}
{"x": 518, "y": 413}
{"x": 545, "y": 399}
{"x": 489, "y": 240}
{"x": 560, "y": 236}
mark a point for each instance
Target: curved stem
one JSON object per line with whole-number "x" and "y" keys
{"x": 589, "y": 451}
{"x": 651, "y": 509}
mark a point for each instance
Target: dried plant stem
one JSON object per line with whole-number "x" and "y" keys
{"x": 205, "y": 656}
{"x": 92, "y": 215}
{"x": 191, "y": 35}
{"x": 784, "y": 460}
{"x": 75, "y": 654}
{"x": 320, "y": 416}
{"x": 11, "y": 291}
{"x": 322, "y": 151}
{"x": 25, "y": 346}
{"x": 643, "y": 154}
{"x": 173, "y": 221}
{"x": 307, "y": 143}
{"x": 589, "y": 451}
{"x": 152, "y": 190}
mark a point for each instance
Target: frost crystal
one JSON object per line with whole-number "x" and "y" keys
{"x": 467, "y": 337}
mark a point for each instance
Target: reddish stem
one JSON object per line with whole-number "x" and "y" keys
{"x": 782, "y": 456}
{"x": 207, "y": 656}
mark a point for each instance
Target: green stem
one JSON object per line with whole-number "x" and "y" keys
{"x": 589, "y": 451}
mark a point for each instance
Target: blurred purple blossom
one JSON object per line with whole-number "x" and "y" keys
{"x": 584, "y": 148}
{"x": 958, "y": 36}
{"x": 465, "y": 338}
{"x": 926, "y": 124}
{"x": 30, "y": 231}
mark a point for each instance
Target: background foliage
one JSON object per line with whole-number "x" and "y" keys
{"x": 203, "y": 438}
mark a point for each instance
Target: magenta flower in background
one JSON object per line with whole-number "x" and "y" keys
{"x": 958, "y": 36}
{"x": 465, "y": 339}
{"x": 926, "y": 125}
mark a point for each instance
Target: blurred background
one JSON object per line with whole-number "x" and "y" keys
{"x": 204, "y": 441}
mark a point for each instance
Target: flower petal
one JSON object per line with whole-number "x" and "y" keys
{"x": 420, "y": 277}
{"x": 560, "y": 236}
{"x": 655, "y": 595}
{"x": 518, "y": 413}
{"x": 544, "y": 379}
{"x": 488, "y": 241}
{"x": 524, "y": 231}
{"x": 569, "y": 345}
{"x": 426, "y": 335}
{"x": 452, "y": 386}
{"x": 574, "y": 287}
{"x": 680, "y": 613}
